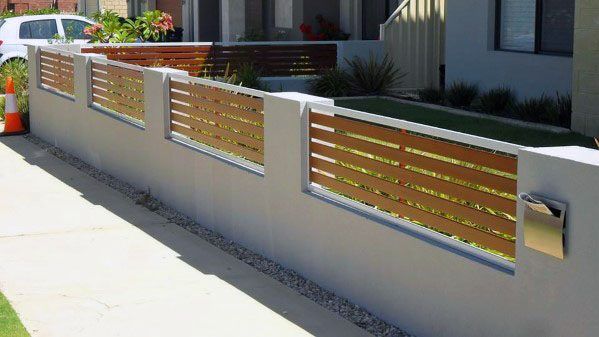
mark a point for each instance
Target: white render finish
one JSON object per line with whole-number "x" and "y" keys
{"x": 422, "y": 285}
{"x": 470, "y": 55}
{"x": 585, "y": 91}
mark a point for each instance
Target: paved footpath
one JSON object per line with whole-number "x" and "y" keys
{"x": 79, "y": 259}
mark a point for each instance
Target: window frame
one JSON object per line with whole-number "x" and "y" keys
{"x": 538, "y": 32}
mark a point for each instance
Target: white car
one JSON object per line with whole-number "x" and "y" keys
{"x": 16, "y": 32}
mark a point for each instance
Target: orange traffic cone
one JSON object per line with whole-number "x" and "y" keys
{"x": 12, "y": 120}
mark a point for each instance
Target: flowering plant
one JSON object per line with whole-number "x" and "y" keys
{"x": 328, "y": 31}
{"x": 151, "y": 26}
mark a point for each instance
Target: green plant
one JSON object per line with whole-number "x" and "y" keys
{"x": 43, "y": 11}
{"x": 248, "y": 75}
{"x": 537, "y": 109}
{"x": 332, "y": 82}
{"x": 497, "y": 101}
{"x": 461, "y": 94}
{"x": 151, "y": 26}
{"x": 564, "y": 109}
{"x": 432, "y": 95}
{"x": 374, "y": 76}
{"x": 17, "y": 69}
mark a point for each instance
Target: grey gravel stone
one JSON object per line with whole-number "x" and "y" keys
{"x": 288, "y": 277}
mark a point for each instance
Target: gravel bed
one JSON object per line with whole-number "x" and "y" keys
{"x": 288, "y": 277}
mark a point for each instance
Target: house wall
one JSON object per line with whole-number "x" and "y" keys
{"x": 19, "y": 6}
{"x": 118, "y": 6}
{"x": 585, "y": 93}
{"x": 470, "y": 55}
{"x": 421, "y": 285}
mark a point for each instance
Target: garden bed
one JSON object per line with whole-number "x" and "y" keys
{"x": 494, "y": 129}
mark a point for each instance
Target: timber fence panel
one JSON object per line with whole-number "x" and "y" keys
{"x": 459, "y": 185}
{"x": 57, "y": 70}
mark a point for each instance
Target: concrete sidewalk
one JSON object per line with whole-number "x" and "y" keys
{"x": 79, "y": 259}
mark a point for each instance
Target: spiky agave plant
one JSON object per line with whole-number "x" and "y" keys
{"x": 332, "y": 82}
{"x": 374, "y": 76}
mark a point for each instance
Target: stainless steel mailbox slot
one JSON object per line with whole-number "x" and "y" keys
{"x": 545, "y": 232}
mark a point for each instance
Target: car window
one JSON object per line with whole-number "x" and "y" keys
{"x": 73, "y": 29}
{"x": 38, "y": 29}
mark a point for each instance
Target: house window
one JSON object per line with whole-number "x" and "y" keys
{"x": 535, "y": 26}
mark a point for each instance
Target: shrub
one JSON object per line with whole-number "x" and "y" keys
{"x": 564, "y": 109}
{"x": 461, "y": 94}
{"x": 540, "y": 110}
{"x": 497, "y": 101}
{"x": 248, "y": 76}
{"x": 333, "y": 82}
{"x": 150, "y": 26}
{"x": 432, "y": 95}
{"x": 373, "y": 77}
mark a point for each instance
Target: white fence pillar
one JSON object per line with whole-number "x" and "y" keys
{"x": 559, "y": 297}
{"x": 82, "y": 64}
{"x": 157, "y": 105}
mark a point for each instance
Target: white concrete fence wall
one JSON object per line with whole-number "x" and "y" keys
{"x": 418, "y": 283}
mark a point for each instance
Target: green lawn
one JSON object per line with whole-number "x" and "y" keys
{"x": 471, "y": 125}
{"x": 10, "y": 325}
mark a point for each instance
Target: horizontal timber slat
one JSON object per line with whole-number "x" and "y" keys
{"x": 217, "y": 107}
{"x": 446, "y": 206}
{"x": 121, "y": 81}
{"x": 474, "y": 156}
{"x": 429, "y": 219}
{"x": 218, "y": 131}
{"x": 220, "y": 119}
{"x": 118, "y": 71}
{"x": 119, "y": 108}
{"x": 466, "y": 193}
{"x": 219, "y": 95}
{"x": 219, "y": 144}
{"x": 114, "y": 96}
{"x": 438, "y": 166}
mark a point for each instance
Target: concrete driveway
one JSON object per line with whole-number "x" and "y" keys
{"x": 79, "y": 259}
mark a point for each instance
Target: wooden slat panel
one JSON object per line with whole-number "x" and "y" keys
{"x": 118, "y": 98}
{"x": 57, "y": 85}
{"x": 57, "y": 71}
{"x": 129, "y": 92}
{"x": 219, "y": 95}
{"x": 432, "y": 220}
{"x": 59, "y": 65}
{"x": 453, "y": 170}
{"x": 56, "y": 56}
{"x": 491, "y": 201}
{"x": 218, "y": 131}
{"x": 220, "y": 108}
{"x": 120, "y": 81}
{"x": 219, "y": 144}
{"x": 220, "y": 119}
{"x": 474, "y": 156}
{"x": 118, "y": 71}
{"x": 125, "y": 110}
{"x": 446, "y": 206}
{"x": 56, "y": 75}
